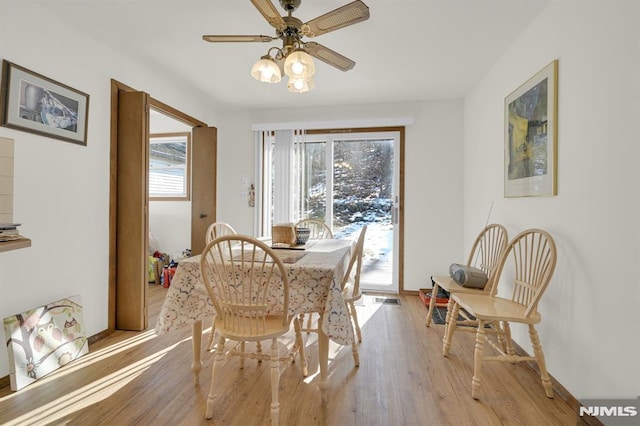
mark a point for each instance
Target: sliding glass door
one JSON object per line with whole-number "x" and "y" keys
{"x": 350, "y": 180}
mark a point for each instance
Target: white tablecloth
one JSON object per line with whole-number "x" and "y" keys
{"x": 314, "y": 286}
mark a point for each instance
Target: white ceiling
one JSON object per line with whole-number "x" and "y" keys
{"x": 408, "y": 50}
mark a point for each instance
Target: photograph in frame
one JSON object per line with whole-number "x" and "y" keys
{"x": 34, "y": 103}
{"x": 530, "y": 163}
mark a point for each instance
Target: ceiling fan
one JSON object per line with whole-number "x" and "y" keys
{"x": 294, "y": 58}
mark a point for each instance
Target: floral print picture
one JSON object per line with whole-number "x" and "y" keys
{"x": 44, "y": 339}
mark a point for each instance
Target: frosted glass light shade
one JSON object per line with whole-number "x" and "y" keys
{"x": 299, "y": 64}
{"x": 300, "y": 85}
{"x": 266, "y": 70}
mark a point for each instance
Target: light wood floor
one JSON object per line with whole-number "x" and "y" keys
{"x": 142, "y": 379}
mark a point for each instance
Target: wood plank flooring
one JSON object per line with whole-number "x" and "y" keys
{"x": 134, "y": 378}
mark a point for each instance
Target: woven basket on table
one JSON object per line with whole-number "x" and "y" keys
{"x": 283, "y": 233}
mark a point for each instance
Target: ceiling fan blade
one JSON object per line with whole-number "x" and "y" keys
{"x": 270, "y": 13}
{"x": 237, "y": 38}
{"x": 349, "y": 14}
{"x": 329, "y": 56}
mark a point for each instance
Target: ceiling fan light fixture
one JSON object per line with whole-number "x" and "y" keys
{"x": 299, "y": 64}
{"x": 266, "y": 70}
{"x": 300, "y": 85}
{"x": 294, "y": 58}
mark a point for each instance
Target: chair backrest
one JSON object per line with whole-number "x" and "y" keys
{"x": 352, "y": 275}
{"x": 534, "y": 255}
{"x": 242, "y": 275}
{"x": 218, "y": 229}
{"x": 319, "y": 229}
{"x": 486, "y": 252}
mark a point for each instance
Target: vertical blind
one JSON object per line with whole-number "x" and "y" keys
{"x": 278, "y": 175}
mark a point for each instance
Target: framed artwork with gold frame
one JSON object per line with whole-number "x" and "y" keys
{"x": 531, "y": 136}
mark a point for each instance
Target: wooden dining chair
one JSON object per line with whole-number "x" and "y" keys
{"x": 218, "y": 229}
{"x": 485, "y": 254}
{"x": 533, "y": 253}
{"x": 351, "y": 292}
{"x": 319, "y": 229}
{"x": 241, "y": 276}
{"x": 215, "y": 230}
{"x": 350, "y": 286}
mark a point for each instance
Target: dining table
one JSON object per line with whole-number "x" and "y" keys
{"x": 315, "y": 272}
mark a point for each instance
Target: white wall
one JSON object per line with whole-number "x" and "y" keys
{"x": 236, "y": 158}
{"x": 433, "y": 175}
{"x": 62, "y": 189}
{"x": 589, "y": 322}
{"x": 170, "y": 224}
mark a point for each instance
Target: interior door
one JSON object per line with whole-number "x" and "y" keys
{"x": 203, "y": 185}
{"x": 128, "y": 212}
{"x": 131, "y": 211}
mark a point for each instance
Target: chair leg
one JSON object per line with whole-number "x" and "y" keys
{"x": 300, "y": 345}
{"x": 210, "y": 344}
{"x": 447, "y": 317}
{"x": 478, "y": 355}
{"x": 356, "y": 332}
{"x": 450, "y": 328}
{"x": 218, "y": 360}
{"x": 242, "y": 357}
{"x": 354, "y": 352}
{"x": 275, "y": 382}
{"x": 537, "y": 350}
{"x": 354, "y": 317}
{"x": 432, "y": 303}
{"x": 309, "y": 322}
{"x": 508, "y": 343}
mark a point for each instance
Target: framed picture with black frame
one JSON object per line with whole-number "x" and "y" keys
{"x": 531, "y": 136}
{"x": 37, "y": 104}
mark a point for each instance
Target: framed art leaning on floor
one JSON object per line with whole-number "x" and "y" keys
{"x": 531, "y": 136}
{"x": 34, "y": 103}
{"x": 43, "y": 339}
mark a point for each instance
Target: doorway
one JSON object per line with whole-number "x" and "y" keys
{"x": 169, "y": 185}
{"x": 129, "y": 199}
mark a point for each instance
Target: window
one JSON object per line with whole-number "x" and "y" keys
{"x": 169, "y": 174}
{"x": 344, "y": 179}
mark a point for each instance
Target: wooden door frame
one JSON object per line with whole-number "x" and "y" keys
{"x": 117, "y": 87}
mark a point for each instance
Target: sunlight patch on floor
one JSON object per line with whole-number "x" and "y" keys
{"x": 90, "y": 358}
{"x": 96, "y": 391}
{"x": 366, "y": 307}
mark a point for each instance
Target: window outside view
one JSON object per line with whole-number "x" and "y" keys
{"x": 168, "y": 166}
{"x": 362, "y": 193}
